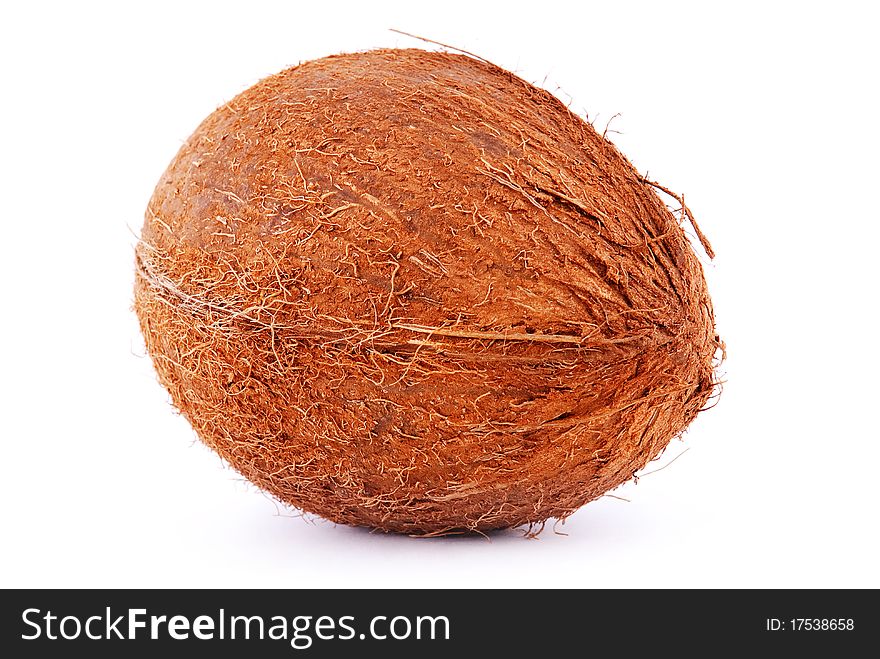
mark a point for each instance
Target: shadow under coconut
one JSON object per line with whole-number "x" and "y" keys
{"x": 608, "y": 520}
{"x": 458, "y": 538}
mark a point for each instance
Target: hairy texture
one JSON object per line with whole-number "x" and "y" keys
{"x": 409, "y": 290}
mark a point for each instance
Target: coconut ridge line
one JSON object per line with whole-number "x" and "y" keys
{"x": 360, "y": 333}
{"x": 410, "y": 291}
{"x": 148, "y": 273}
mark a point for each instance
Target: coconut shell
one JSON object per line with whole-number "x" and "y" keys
{"x": 410, "y": 291}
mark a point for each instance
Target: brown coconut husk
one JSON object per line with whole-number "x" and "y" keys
{"x": 408, "y": 290}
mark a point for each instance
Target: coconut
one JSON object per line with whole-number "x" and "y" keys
{"x": 410, "y": 291}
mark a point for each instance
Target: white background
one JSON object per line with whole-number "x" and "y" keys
{"x": 765, "y": 115}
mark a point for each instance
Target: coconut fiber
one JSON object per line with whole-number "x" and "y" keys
{"x": 410, "y": 291}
